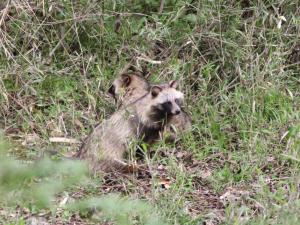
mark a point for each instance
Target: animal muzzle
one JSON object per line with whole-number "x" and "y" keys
{"x": 176, "y": 110}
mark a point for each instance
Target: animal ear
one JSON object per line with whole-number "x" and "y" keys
{"x": 155, "y": 91}
{"x": 126, "y": 79}
{"x": 173, "y": 84}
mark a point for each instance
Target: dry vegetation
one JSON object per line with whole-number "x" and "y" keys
{"x": 238, "y": 63}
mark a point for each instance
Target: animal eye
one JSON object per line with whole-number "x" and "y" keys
{"x": 179, "y": 102}
{"x": 167, "y": 105}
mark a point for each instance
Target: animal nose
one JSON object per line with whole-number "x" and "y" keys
{"x": 177, "y": 112}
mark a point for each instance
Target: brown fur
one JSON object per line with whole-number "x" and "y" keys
{"x": 127, "y": 88}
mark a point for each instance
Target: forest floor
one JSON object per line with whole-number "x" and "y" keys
{"x": 238, "y": 64}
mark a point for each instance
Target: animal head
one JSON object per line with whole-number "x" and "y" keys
{"x": 167, "y": 100}
{"x": 128, "y": 85}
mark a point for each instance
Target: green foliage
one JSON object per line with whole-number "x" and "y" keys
{"x": 123, "y": 211}
{"x": 35, "y": 186}
{"x": 37, "y": 183}
{"x": 239, "y": 71}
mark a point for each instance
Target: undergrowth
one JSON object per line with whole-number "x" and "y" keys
{"x": 238, "y": 63}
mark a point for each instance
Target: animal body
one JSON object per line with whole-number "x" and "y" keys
{"x": 145, "y": 117}
{"x": 128, "y": 87}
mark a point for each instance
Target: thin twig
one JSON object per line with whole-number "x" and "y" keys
{"x": 161, "y": 7}
{"x": 64, "y": 140}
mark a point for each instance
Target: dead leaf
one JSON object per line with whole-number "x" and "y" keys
{"x": 233, "y": 194}
{"x": 118, "y": 23}
{"x": 179, "y": 155}
{"x": 205, "y": 173}
{"x": 161, "y": 167}
{"x": 30, "y": 139}
{"x": 37, "y": 221}
{"x": 132, "y": 168}
{"x": 64, "y": 201}
{"x": 78, "y": 123}
{"x": 165, "y": 183}
{"x": 57, "y": 132}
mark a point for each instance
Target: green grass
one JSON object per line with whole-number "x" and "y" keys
{"x": 238, "y": 70}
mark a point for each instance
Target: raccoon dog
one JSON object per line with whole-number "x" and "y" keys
{"x": 104, "y": 149}
{"x": 130, "y": 86}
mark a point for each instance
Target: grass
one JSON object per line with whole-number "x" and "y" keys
{"x": 238, "y": 69}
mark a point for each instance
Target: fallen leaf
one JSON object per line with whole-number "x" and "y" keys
{"x": 64, "y": 201}
{"x": 165, "y": 183}
{"x": 161, "y": 167}
{"x": 30, "y": 139}
{"x": 78, "y": 123}
{"x": 205, "y": 173}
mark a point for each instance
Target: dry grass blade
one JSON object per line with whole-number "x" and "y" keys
{"x": 64, "y": 140}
